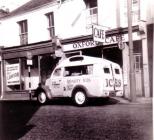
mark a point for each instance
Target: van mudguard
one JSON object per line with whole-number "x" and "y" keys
{"x": 80, "y": 87}
{"x": 45, "y": 89}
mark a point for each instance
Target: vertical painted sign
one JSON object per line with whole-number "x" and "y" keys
{"x": 13, "y": 74}
{"x": 98, "y": 33}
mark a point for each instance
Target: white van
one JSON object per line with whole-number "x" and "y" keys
{"x": 81, "y": 77}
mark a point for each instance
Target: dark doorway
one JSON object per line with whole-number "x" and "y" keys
{"x": 95, "y": 52}
{"x": 47, "y": 64}
{"x": 113, "y": 54}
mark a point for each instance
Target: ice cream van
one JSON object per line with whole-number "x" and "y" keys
{"x": 81, "y": 77}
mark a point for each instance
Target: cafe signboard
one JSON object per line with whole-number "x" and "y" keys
{"x": 118, "y": 39}
{"x": 83, "y": 44}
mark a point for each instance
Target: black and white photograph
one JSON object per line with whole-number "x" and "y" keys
{"x": 76, "y": 69}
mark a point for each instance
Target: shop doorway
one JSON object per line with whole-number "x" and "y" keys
{"x": 113, "y": 54}
{"x": 47, "y": 64}
{"x": 138, "y": 63}
{"x": 95, "y": 51}
{"x": 138, "y": 74}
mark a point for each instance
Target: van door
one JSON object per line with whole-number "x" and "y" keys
{"x": 118, "y": 79}
{"x": 57, "y": 83}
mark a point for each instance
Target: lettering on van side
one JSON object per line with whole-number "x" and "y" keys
{"x": 55, "y": 84}
{"x": 111, "y": 82}
{"x": 74, "y": 81}
{"x": 117, "y": 82}
{"x": 69, "y": 87}
{"x": 71, "y": 82}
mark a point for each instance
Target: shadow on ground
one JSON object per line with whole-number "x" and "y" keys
{"x": 14, "y": 116}
{"x": 91, "y": 102}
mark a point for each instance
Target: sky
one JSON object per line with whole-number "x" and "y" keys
{"x": 12, "y": 4}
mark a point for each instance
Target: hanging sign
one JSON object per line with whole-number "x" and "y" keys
{"x": 12, "y": 74}
{"x": 98, "y": 33}
{"x": 29, "y": 62}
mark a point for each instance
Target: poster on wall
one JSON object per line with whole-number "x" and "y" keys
{"x": 13, "y": 74}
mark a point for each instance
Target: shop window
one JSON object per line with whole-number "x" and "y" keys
{"x": 51, "y": 27}
{"x": 23, "y": 32}
{"x": 17, "y": 74}
{"x": 12, "y": 74}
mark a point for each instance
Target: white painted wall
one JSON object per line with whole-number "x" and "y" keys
{"x": 107, "y": 13}
{"x": 113, "y": 13}
{"x": 70, "y": 21}
{"x": 150, "y": 11}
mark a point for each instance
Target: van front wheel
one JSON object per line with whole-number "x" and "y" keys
{"x": 80, "y": 98}
{"x": 42, "y": 98}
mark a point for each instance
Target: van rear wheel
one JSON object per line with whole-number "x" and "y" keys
{"x": 41, "y": 98}
{"x": 80, "y": 98}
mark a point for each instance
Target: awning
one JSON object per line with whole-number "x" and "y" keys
{"x": 21, "y": 51}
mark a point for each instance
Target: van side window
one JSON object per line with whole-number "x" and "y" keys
{"x": 106, "y": 70}
{"x": 57, "y": 72}
{"x": 117, "y": 71}
{"x": 78, "y": 70}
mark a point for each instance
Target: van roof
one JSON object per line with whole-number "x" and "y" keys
{"x": 83, "y": 60}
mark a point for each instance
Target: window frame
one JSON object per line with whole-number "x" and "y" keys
{"x": 23, "y": 31}
{"x": 51, "y": 24}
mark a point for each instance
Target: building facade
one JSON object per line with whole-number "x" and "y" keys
{"x": 30, "y": 47}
